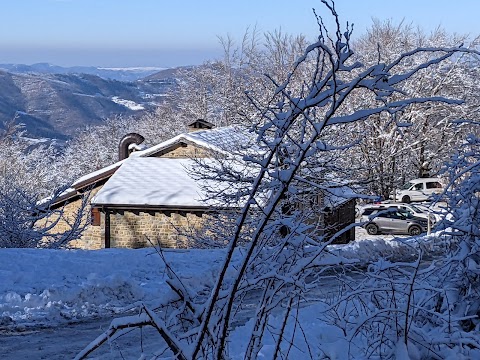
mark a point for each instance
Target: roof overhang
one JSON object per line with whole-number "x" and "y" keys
{"x": 158, "y": 208}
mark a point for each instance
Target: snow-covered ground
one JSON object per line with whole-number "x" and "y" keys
{"x": 64, "y": 290}
{"x": 41, "y": 287}
{"x": 132, "y": 105}
{"x": 54, "y": 302}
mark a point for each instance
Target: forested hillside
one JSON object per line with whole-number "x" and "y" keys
{"x": 57, "y": 106}
{"x": 365, "y": 113}
{"x": 389, "y": 150}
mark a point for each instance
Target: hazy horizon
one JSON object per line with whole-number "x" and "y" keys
{"x": 111, "y": 58}
{"x": 108, "y": 33}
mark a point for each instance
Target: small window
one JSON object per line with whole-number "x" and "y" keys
{"x": 369, "y": 211}
{"x": 418, "y": 186}
{"x": 434, "y": 185}
{"x": 95, "y": 217}
{"x": 387, "y": 215}
{"x": 407, "y": 186}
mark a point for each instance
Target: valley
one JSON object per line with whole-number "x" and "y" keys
{"x": 57, "y": 105}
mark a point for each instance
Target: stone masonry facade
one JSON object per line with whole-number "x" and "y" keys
{"x": 141, "y": 229}
{"x": 185, "y": 151}
{"x": 135, "y": 229}
{"x": 91, "y": 237}
{"x": 129, "y": 229}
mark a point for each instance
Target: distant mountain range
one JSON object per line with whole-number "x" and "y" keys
{"x": 121, "y": 74}
{"x": 56, "y": 105}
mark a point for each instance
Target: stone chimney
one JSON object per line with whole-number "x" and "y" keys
{"x": 200, "y": 124}
{"x": 125, "y": 145}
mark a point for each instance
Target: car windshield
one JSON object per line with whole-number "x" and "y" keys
{"x": 416, "y": 208}
{"x": 407, "y": 186}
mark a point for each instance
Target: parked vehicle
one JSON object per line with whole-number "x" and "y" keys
{"x": 392, "y": 221}
{"x": 420, "y": 189}
{"x": 414, "y": 209}
{"x": 439, "y": 211}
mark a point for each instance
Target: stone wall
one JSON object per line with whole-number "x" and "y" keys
{"x": 93, "y": 238}
{"x": 185, "y": 151}
{"x": 141, "y": 229}
{"x": 132, "y": 229}
{"x": 65, "y": 215}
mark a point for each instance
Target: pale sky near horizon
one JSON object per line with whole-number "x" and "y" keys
{"x": 166, "y": 33}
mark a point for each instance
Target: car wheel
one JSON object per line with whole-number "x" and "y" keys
{"x": 406, "y": 199}
{"x": 414, "y": 230}
{"x": 372, "y": 229}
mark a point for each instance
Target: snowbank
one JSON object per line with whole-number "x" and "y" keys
{"x": 44, "y": 287}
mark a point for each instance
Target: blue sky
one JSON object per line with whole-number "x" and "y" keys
{"x": 169, "y": 33}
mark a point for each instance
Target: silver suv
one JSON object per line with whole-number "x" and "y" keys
{"x": 412, "y": 209}
{"x": 392, "y": 221}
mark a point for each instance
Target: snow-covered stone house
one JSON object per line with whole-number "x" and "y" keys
{"x": 148, "y": 195}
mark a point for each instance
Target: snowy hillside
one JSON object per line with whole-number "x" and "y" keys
{"x": 120, "y": 74}
{"x": 58, "y": 105}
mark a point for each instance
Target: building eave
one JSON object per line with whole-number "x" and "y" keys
{"x": 159, "y": 208}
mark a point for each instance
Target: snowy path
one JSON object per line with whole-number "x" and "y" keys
{"x": 66, "y": 341}
{"x": 62, "y": 342}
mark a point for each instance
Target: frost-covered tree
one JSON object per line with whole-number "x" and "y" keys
{"x": 27, "y": 177}
{"x": 392, "y": 149}
{"x": 97, "y": 146}
{"x": 295, "y": 126}
{"x": 28, "y": 221}
{"x": 26, "y": 165}
{"x": 463, "y": 223}
{"x": 414, "y": 142}
{"x": 215, "y": 91}
{"x": 429, "y": 307}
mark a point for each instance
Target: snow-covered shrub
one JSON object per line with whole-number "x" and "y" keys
{"x": 26, "y": 221}
{"x": 429, "y": 308}
{"x": 390, "y": 313}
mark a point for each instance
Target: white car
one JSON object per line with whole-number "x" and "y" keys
{"x": 419, "y": 190}
{"x": 438, "y": 210}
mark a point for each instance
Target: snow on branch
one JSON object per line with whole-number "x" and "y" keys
{"x": 285, "y": 248}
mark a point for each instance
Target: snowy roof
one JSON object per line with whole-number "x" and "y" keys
{"x": 223, "y": 139}
{"x": 155, "y": 182}
{"x": 97, "y": 175}
{"x": 336, "y": 196}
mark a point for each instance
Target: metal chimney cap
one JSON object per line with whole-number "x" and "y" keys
{"x": 124, "y": 148}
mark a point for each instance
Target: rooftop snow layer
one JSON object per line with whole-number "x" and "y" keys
{"x": 96, "y": 174}
{"x": 336, "y": 196}
{"x": 223, "y": 139}
{"x": 155, "y": 182}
